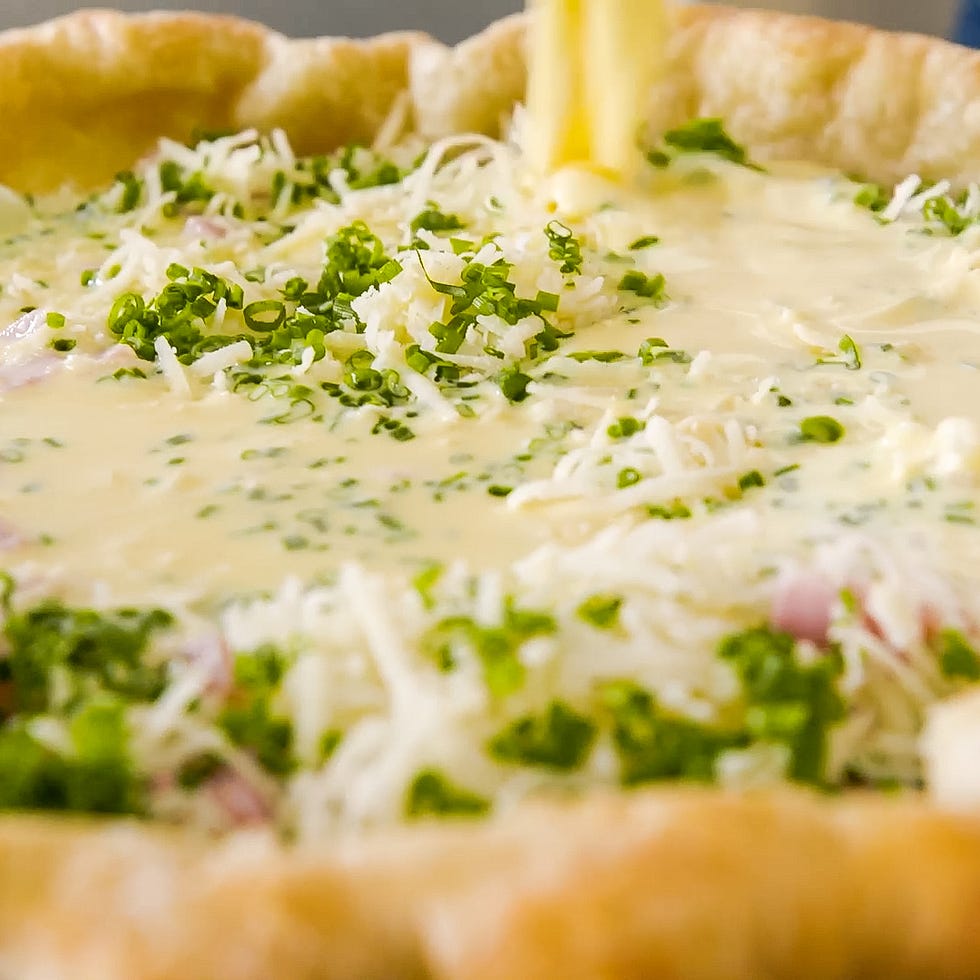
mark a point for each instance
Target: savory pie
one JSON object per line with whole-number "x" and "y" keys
{"x": 388, "y": 529}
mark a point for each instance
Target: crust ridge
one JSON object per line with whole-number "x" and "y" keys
{"x": 668, "y": 883}
{"x": 108, "y": 85}
{"x": 864, "y": 101}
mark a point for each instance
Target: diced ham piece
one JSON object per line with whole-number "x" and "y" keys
{"x": 211, "y": 652}
{"x": 23, "y": 327}
{"x": 24, "y": 367}
{"x": 18, "y": 375}
{"x": 241, "y": 802}
{"x": 121, "y": 355}
{"x": 803, "y": 607}
{"x": 804, "y": 602}
{"x": 163, "y": 782}
{"x": 10, "y": 537}
{"x": 206, "y": 228}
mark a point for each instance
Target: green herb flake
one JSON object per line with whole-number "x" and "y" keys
{"x": 264, "y": 316}
{"x": 958, "y": 660}
{"x": 131, "y": 191}
{"x": 362, "y": 168}
{"x": 513, "y": 384}
{"x": 944, "y": 212}
{"x": 873, "y": 197}
{"x": 821, "y": 428}
{"x": 708, "y": 136}
{"x": 646, "y": 287}
{"x": 250, "y": 719}
{"x": 628, "y": 477}
{"x": 497, "y": 647}
{"x": 851, "y": 352}
{"x": 95, "y": 775}
{"x": 564, "y": 248}
{"x": 601, "y": 611}
{"x": 431, "y": 794}
{"x": 654, "y": 745}
{"x": 189, "y": 189}
{"x": 658, "y": 159}
{"x": 655, "y": 350}
{"x": 602, "y": 356}
{"x": 434, "y": 220}
{"x": 97, "y": 650}
{"x": 752, "y": 479}
{"x": 625, "y": 427}
{"x": 786, "y": 701}
{"x": 675, "y": 511}
{"x": 425, "y": 582}
{"x": 560, "y": 738}
{"x": 329, "y": 743}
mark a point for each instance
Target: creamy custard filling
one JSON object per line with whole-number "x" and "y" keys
{"x": 451, "y": 485}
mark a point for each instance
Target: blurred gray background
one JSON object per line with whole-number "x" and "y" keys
{"x": 454, "y": 19}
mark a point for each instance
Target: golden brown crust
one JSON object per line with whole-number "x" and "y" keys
{"x": 670, "y": 884}
{"x": 661, "y": 884}
{"x": 85, "y": 95}
{"x": 860, "y": 100}
{"x": 864, "y": 101}
{"x": 108, "y": 85}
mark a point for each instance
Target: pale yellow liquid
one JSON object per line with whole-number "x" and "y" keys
{"x": 591, "y": 66}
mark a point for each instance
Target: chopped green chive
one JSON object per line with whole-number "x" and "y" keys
{"x": 644, "y": 286}
{"x": 654, "y": 745}
{"x": 851, "y": 352}
{"x": 513, "y": 384}
{"x": 751, "y": 479}
{"x": 706, "y": 136}
{"x": 821, "y": 428}
{"x": 957, "y": 658}
{"x": 625, "y": 427}
{"x": 676, "y": 511}
{"x": 431, "y": 793}
{"x": 628, "y": 477}
{"x": 265, "y": 315}
{"x": 560, "y": 738}
{"x": 601, "y": 611}
{"x": 434, "y": 220}
{"x": 603, "y": 356}
{"x": 656, "y": 349}
{"x": 565, "y": 248}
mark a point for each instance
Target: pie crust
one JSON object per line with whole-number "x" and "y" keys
{"x": 660, "y": 883}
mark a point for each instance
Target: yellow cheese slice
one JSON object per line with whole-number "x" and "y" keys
{"x": 591, "y": 66}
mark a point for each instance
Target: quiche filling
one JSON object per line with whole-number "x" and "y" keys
{"x": 361, "y": 488}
